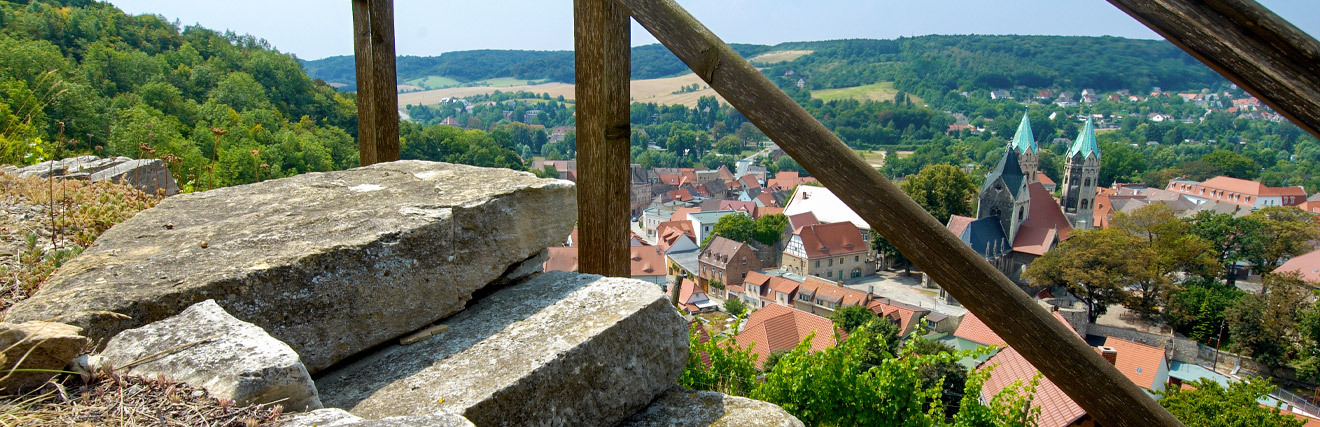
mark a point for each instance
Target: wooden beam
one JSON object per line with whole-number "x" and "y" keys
{"x": 1246, "y": 43}
{"x": 362, "y": 63}
{"x": 378, "y": 99}
{"x": 601, "y": 41}
{"x": 1047, "y": 343}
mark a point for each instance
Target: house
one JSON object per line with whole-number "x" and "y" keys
{"x": 1250, "y": 194}
{"x": 762, "y": 288}
{"x": 785, "y": 180}
{"x": 778, "y": 328}
{"x": 639, "y": 190}
{"x": 906, "y": 316}
{"x": 704, "y": 222}
{"x": 560, "y": 258}
{"x": 1000, "y": 94}
{"x": 766, "y": 210}
{"x": 733, "y": 205}
{"x": 692, "y": 299}
{"x": 824, "y": 205}
{"x": 1307, "y": 265}
{"x": 1010, "y": 368}
{"x": 1144, "y": 365}
{"x": 450, "y": 121}
{"x": 726, "y": 261}
{"x": 567, "y": 169}
{"x": 824, "y": 297}
{"x": 834, "y": 251}
{"x": 647, "y": 263}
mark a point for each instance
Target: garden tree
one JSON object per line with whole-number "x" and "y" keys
{"x": 747, "y": 132}
{"x": 1264, "y": 325}
{"x": 1222, "y": 162}
{"x": 849, "y": 318}
{"x": 729, "y": 145}
{"x": 715, "y": 161}
{"x": 1197, "y": 309}
{"x": 1233, "y": 239}
{"x": 1086, "y": 264}
{"x": 732, "y": 370}
{"x": 943, "y": 190}
{"x": 1166, "y": 249}
{"x": 735, "y": 226}
{"x": 735, "y": 307}
{"x": 1209, "y": 404}
{"x": 890, "y": 252}
{"x": 770, "y": 228}
{"x": 949, "y": 373}
{"x": 770, "y": 361}
{"x": 1120, "y": 163}
{"x": 1290, "y": 232}
{"x": 682, "y": 143}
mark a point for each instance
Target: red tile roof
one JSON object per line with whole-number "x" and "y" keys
{"x": 831, "y": 240}
{"x": 749, "y": 181}
{"x": 904, "y": 314}
{"x": 766, "y": 199}
{"x": 680, "y": 214}
{"x": 670, "y": 178}
{"x": 561, "y": 258}
{"x": 958, "y": 223}
{"x": 1044, "y": 179}
{"x": 768, "y": 210}
{"x": 735, "y": 205}
{"x": 1056, "y": 409}
{"x": 1251, "y": 187}
{"x": 1308, "y": 265}
{"x": 1045, "y": 223}
{"x": 686, "y": 291}
{"x": 720, "y": 251}
{"x": 802, "y": 220}
{"x": 820, "y": 289}
{"x": 1138, "y": 362}
{"x": 973, "y": 329}
{"x": 776, "y": 327}
{"x": 647, "y": 261}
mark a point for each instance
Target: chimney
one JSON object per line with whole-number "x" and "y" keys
{"x": 1109, "y": 353}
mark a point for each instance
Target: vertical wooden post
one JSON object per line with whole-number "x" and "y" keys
{"x": 601, "y": 40}
{"x": 1049, "y": 345}
{"x": 378, "y": 99}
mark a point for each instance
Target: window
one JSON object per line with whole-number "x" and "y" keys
{"x": 817, "y": 263}
{"x": 803, "y": 297}
{"x": 1085, "y": 203}
{"x": 831, "y": 262}
{"x": 856, "y": 258}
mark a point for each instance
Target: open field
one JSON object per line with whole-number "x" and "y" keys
{"x": 883, "y": 91}
{"x": 434, "y": 82}
{"x": 780, "y": 56}
{"x": 503, "y": 82}
{"x": 660, "y": 91}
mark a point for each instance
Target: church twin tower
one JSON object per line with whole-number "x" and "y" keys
{"x": 1005, "y": 193}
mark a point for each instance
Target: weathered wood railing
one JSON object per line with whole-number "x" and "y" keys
{"x": 1238, "y": 38}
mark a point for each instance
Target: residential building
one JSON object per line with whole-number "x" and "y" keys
{"x": 692, "y": 299}
{"x": 778, "y": 328}
{"x": 704, "y": 222}
{"x": 824, "y": 297}
{"x": 1144, "y": 365}
{"x": 648, "y": 264}
{"x": 834, "y": 251}
{"x": 908, "y": 317}
{"x": 726, "y": 261}
{"x": 1307, "y": 265}
{"x": 1249, "y": 194}
{"x": 824, "y": 205}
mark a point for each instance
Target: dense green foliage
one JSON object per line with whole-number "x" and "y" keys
{"x": 648, "y": 62}
{"x": 1209, "y": 404}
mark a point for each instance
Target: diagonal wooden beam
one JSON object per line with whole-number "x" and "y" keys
{"x": 1246, "y": 43}
{"x": 1048, "y": 344}
{"x": 602, "y": 45}
{"x": 378, "y": 98}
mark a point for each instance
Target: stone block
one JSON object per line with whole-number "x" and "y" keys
{"x": 681, "y": 407}
{"x": 31, "y": 351}
{"x": 206, "y": 347}
{"x": 335, "y": 417}
{"x": 558, "y": 349}
{"x": 330, "y": 263}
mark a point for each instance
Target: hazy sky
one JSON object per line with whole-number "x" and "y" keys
{"x": 317, "y": 29}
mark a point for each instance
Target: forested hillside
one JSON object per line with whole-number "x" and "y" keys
{"x": 82, "y": 77}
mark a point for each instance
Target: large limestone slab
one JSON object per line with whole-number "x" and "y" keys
{"x": 330, "y": 263}
{"x": 206, "y": 347}
{"x": 681, "y": 407}
{"x": 335, "y": 417}
{"x": 558, "y": 349}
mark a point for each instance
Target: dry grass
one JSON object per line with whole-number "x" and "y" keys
{"x": 780, "y": 56}
{"x": 82, "y": 211}
{"x": 660, "y": 91}
{"x": 108, "y": 399}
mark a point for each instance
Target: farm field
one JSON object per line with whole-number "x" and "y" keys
{"x": 883, "y": 91}
{"x": 660, "y": 91}
{"x": 780, "y": 56}
{"x": 434, "y": 82}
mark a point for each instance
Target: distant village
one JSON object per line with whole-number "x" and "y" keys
{"x": 824, "y": 259}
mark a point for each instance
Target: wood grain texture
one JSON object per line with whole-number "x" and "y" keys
{"x": 1047, "y": 343}
{"x": 378, "y": 98}
{"x": 601, "y": 41}
{"x": 362, "y": 64}
{"x": 1246, "y": 43}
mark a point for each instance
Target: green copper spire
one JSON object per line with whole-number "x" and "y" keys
{"x": 1085, "y": 144}
{"x": 1023, "y": 140}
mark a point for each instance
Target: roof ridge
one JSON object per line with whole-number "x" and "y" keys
{"x": 1023, "y": 139}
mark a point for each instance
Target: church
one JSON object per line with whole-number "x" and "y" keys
{"x": 1017, "y": 219}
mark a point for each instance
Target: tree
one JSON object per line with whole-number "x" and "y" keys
{"x": 1290, "y": 230}
{"x": 1224, "y": 162}
{"x": 1085, "y": 264}
{"x": 734, "y": 226}
{"x": 735, "y": 307}
{"x": 1263, "y": 325}
{"x": 851, "y": 317}
{"x": 770, "y": 228}
{"x": 1197, "y": 309}
{"x": 1166, "y": 249}
{"x": 890, "y": 252}
{"x": 941, "y": 189}
{"x": 732, "y": 370}
{"x": 729, "y": 145}
{"x": 1233, "y": 239}
{"x": 1209, "y": 404}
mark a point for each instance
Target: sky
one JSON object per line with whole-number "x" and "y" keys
{"x": 314, "y": 29}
